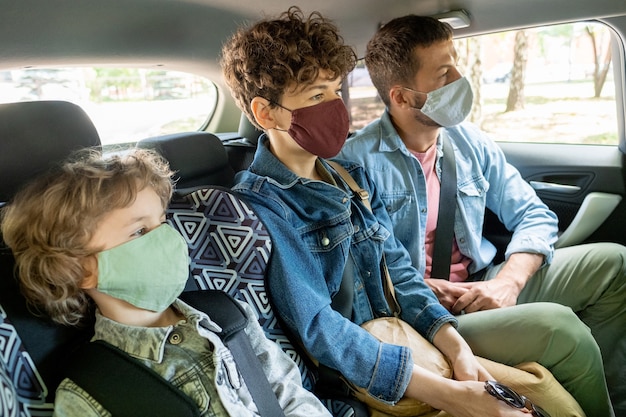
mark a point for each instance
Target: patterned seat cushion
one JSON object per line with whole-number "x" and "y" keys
{"x": 229, "y": 249}
{"x": 22, "y": 390}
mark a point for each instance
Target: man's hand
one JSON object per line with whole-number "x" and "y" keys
{"x": 486, "y": 295}
{"x": 503, "y": 289}
{"x": 447, "y": 292}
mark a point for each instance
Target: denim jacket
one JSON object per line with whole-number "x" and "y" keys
{"x": 484, "y": 180}
{"x": 314, "y": 226}
{"x": 192, "y": 357}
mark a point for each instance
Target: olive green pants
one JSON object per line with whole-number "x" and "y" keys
{"x": 591, "y": 281}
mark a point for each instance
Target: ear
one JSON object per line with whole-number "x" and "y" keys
{"x": 397, "y": 96}
{"x": 263, "y": 113}
{"x": 90, "y": 268}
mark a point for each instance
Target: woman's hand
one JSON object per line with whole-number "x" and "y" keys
{"x": 465, "y": 394}
{"x": 465, "y": 367}
{"x": 470, "y": 400}
{"x": 458, "y": 398}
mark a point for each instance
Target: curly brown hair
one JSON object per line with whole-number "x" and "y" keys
{"x": 390, "y": 57}
{"x": 50, "y": 222}
{"x": 273, "y": 55}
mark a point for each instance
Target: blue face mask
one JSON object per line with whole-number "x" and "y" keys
{"x": 448, "y": 105}
{"x": 148, "y": 272}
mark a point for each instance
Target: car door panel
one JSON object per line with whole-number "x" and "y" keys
{"x": 582, "y": 184}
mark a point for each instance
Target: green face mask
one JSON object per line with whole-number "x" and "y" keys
{"x": 148, "y": 272}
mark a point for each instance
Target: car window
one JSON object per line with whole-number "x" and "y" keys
{"x": 550, "y": 84}
{"x": 125, "y": 104}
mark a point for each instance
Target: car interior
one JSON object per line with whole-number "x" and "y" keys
{"x": 229, "y": 246}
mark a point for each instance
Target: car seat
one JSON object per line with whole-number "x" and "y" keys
{"x": 241, "y": 148}
{"x": 229, "y": 246}
{"x": 34, "y": 136}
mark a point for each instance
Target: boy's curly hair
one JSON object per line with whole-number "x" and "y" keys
{"x": 49, "y": 223}
{"x": 272, "y": 56}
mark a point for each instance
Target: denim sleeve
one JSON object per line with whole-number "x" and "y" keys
{"x": 301, "y": 298}
{"x": 516, "y": 204}
{"x": 420, "y": 306}
{"x": 282, "y": 374}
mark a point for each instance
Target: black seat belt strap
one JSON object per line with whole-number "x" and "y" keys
{"x": 363, "y": 195}
{"x": 124, "y": 386}
{"x": 444, "y": 234}
{"x": 343, "y": 300}
{"x": 237, "y": 341}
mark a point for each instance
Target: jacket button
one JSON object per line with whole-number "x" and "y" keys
{"x": 325, "y": 241}
{"x": 175, "y": 338}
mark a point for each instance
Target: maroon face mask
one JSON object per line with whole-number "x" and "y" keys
{"x": 321, "y": 129}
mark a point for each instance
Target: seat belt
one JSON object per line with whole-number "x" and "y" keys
{"x": 444, "y": 234}
{"x": 237, "y": 341}
{"x": 343, "y": 300}
{"x": 126, "y": 387}
{"x": 363, "y": 195}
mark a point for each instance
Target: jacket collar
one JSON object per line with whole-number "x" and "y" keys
{"x": 265, "y": 164}
{"x": 390, "y": 141}
{"x": 148, "y": 342}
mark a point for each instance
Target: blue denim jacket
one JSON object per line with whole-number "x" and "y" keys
{"x": 314, "y": 226}
{"x": 484, "y": 180}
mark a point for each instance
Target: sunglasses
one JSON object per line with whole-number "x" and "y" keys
{"x": 512, "y": 398}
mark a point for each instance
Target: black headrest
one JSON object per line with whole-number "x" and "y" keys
{"x": 247, "y": 130}
{"x": 37, "y": 135}
{"x": 199, "y": 159}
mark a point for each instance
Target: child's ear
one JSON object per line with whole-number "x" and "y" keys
{"x": 263, "y": 113}
{"x": 90, "y": 268}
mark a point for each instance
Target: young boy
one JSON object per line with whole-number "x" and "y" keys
{"x": 94, "y": 233}
{"x": 286, "y": 75}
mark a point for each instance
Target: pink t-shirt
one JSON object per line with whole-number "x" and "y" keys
{"x": 459, "y": 262}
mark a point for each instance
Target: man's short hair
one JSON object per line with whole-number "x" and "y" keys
{"x": 390, "y": 55}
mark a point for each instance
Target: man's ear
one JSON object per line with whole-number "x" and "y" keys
{"x": 263, "y": 113}
{"x": 397, "y": 96}
{"x": 90, "y": 268}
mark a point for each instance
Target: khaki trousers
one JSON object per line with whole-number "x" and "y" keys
{"x": 589, "y": 279}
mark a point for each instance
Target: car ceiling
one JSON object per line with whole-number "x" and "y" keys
{"x": 188, "y": 34}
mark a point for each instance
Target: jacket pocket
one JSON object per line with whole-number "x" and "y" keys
{"x": 397, "y": 201}
{"x": 473, "y": 199}
{"x": 192, "y": 385}
{"x": 403, "y": 214}
{"x": 326, "y": 237}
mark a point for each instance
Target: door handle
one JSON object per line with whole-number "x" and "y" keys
{"x": 554, "y": 187}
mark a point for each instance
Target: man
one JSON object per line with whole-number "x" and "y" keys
{"x": 412, "y": 63}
